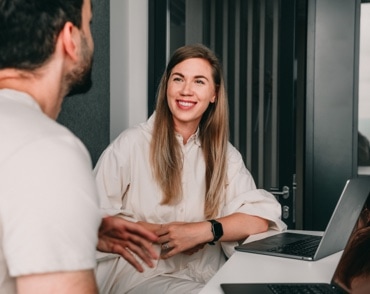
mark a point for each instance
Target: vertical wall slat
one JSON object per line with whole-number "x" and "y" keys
{"x": 261, "y": 93}
{"x": 194, "y": 21}
{"x": 274, "y": 108}
{"x": 249, "y": 81}
{"x": 224, "y": 39}
{"x": 237, "y": 75}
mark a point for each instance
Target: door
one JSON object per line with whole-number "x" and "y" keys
{"x": 288, "y": 113}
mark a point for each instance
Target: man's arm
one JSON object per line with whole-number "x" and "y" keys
{"x": 73, "y": 282}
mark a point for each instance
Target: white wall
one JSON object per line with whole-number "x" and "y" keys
{"x": 128, "y": 64}
{"x": 364, "y": 72}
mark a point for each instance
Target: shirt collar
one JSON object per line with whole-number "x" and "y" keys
{"x": 193, "y": 138}
{"x": 20, "y": 97}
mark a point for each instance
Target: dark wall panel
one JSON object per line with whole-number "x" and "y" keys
{"x": 331, "y": 116}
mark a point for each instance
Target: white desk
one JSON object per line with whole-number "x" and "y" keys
{"x": 245, "y": 267}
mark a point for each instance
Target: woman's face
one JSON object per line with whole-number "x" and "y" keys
{"x": 190, "y": 89}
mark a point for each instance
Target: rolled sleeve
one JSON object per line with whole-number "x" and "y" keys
{"x": 243, "y": 196}
{"x": 259, "y": 203}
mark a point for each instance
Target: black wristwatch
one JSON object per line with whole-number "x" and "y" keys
{"x": 216, "y": 230}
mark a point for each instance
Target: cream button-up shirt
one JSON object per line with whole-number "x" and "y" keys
{"x": 127, "y": 188}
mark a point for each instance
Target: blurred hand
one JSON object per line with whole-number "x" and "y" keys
{"x": 117, "y": 235}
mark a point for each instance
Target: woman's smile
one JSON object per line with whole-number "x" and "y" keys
{"x": 185, "y": 104}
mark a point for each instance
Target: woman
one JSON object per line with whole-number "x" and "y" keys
{"x": 178, "y": 176}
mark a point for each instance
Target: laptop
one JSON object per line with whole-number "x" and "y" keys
{"x": 309, "y": 247}
{"x": 352, "y": 274}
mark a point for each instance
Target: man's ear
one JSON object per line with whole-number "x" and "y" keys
{"x": 69, "y": 37}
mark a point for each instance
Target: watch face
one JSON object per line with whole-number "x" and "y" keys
{"x": 217, "y": 230}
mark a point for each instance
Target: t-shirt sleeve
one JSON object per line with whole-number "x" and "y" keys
{"x": 50, "y": 215}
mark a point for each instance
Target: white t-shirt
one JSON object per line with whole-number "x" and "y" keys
{"x": 126, "y": 187}
{"x": 49, "y": 212}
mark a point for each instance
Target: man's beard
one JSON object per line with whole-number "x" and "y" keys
{"x": 79, "y": 79}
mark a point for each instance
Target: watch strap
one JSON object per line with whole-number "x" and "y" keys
{"x": 217, "y": 231}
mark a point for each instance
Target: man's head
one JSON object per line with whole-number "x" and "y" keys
{"x": 29, "y": 30}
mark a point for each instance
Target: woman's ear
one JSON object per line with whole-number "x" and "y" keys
{"x": 69, "y": 36}
{"x": 213, "y": 99}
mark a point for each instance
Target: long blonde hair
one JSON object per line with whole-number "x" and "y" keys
{"x": 165, "y": 151}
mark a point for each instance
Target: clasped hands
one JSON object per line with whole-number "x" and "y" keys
{"x": 117, "y": 235}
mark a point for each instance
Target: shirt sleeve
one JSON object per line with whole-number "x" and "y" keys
{"x": 51, "y": 215}
{"x": 112, "y": 176}
{"x": 243, "y": 196}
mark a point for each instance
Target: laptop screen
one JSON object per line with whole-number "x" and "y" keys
{"x": 353, "y": 270}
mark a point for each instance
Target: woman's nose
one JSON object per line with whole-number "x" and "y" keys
{"x": 187, "y": 89}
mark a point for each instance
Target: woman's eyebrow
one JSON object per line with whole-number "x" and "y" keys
{"x": 177, "y": 73}
{"x": 196, "y": 77}
{"x": 201, "y": 77}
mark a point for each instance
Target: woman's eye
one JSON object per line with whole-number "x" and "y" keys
{"x": 199, "y": 82}
{"x": 177, "y": 79}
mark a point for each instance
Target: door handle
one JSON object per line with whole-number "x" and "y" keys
{"x": 285, "y": 193}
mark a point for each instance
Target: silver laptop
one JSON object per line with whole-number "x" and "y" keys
{"x": 352, "y": 274}
{"x": 308, "y": 247}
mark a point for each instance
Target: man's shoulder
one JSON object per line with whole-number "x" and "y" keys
{"x": 19, "y": 133}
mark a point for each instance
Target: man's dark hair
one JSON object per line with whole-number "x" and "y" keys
{"x": 29, "y": 29}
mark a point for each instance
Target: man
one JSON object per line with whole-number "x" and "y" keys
{"x": 49, "y": 215}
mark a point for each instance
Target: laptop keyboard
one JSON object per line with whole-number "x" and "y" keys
{"x": 306, "y": 247}
{"x": 300, "y": 289}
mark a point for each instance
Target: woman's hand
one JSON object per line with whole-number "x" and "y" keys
{"x": 187, "y": 238}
